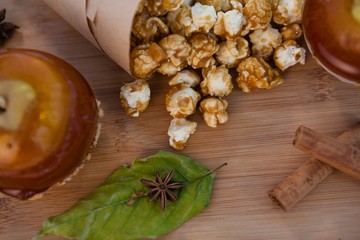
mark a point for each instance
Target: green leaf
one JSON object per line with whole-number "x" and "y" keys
{"x": 107, "y": 213}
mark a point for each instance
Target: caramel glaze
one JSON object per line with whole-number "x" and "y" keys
{"x": 79, "y": 130}
{"x": 333, "y": 36}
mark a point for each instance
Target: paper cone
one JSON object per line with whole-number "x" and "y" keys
{"x": 105, "y": 23}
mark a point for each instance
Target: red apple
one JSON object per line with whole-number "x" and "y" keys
{"x": 48, "y": 120}
{"x": 332, "y": 31}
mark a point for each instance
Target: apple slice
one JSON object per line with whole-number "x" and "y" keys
{"x": 17, "y": 96}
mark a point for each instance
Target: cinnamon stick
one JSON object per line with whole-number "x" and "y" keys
{"x": 337, "y": 154}
{"x": 296, "y": 186}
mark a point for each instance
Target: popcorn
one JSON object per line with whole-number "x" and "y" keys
{"x": 203, "y": 16}
{"x": 265, "y": 41}
{"x": 146, "y": 28}
{"x": 135, "y": 97}
{"x": 274, "y": 4}
{"x": 203, "y": 47}
{"x": 214, "y": 111}
{"x": 230, "y": 24}
{"x": 181, "y": 22}
{"x": 219, "y": 5}
{"x": 212, "y": 35}
{"x": 188, "y": 77}
{"x": 217, "y": 82}
{"x": 172, "y": 5}
{"x": 288, "y": 11}
{"x": 157, "y": 53}
{"x": 291, "y": 32}
{"x": 144, "y": 61}
{"x": 181, "y": 101}
{"x": 179, "y": 132}
{"x": 188, "y": 20}
{"x": 177, "y": 50}
{"x": 232, "y": 52}
{"x": 258, "y": 14}
{"x": 289, "y": 54}
{"x": 161, "y": 7}
{"x": 255, "y": 73}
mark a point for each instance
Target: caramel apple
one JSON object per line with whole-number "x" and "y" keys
{"x": 48, "y": 121}
{"x": 332, "y": 31}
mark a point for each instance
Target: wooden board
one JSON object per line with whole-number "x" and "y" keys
{"x": 256, "y": 143}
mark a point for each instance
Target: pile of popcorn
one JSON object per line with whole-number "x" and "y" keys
{"x": 175, "y": 37}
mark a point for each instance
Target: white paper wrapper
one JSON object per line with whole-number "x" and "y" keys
{"x": 105, "y": 23}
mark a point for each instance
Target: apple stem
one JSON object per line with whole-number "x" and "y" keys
{"x": 2, "y": 104}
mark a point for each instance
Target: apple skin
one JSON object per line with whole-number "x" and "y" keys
{"x": 333, "y": 36}
{"x": 67, "y": 146}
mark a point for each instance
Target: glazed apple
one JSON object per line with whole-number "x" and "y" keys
{"x": 48, "y": 120}
{"x": 332, "y": 31}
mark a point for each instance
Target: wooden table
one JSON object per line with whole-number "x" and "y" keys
{"x": 256, "y": 143}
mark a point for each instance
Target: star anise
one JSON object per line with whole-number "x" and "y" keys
{"x": 162, "y": 188}
{"x": 6, "y": 28}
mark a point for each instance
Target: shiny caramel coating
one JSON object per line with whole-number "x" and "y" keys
{"x": 203, "y": 47}
{"x": 258, "y": 14}
{"x": 214, "y": 111}
{"x": 255, "y": 73}
{"x": 181, "y": 101}
{"x": 57, "y": 128}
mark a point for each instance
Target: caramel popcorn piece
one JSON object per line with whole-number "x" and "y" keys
{"x": 291, "y": 32}
{"x": 214, "y": 111}
{"x": 146, "y": 28}
{"x": 180, "y": 21}
{"x": 217, "y": 81}
{"x": 157, "y": 52}
{"x": 187, "y": 77}
{"x": 288, "y": 11}
{"x": 145, "y": 59}
{"x": 169, "y": 69}
{"x": 190, "y": 19}
{"x": 232, "y": 52}
{"x": 274, "y": 4}
{"x": 177, "y": 50}
{"x": 179, "y": 132}
{"x": 288, "y": 55}
{"x": 219, "y": 5}
{"x": 255, "y": 73}
{"x": 265, "y": 41}
{"x": 172, "y": 5}
{"x": 203, "y": 17}
{"x": 161, "y": 7}
{"x": 230, "y": 24}
{"x": 181, "y": 101}
{"x": 237, "y": 4}
{"x": 203, "y": 47}
{"x": 135, "y": 97}
{"x": 258, "y": 14}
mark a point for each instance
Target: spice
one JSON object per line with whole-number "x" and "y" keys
{"x": 6, "y": 28}
{"x": 296, "y": 186}
{"x": 162, "y": 189}
{"x": 341, "y": 156}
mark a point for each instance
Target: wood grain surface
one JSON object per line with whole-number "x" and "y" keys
{"x": 256, "y": 143}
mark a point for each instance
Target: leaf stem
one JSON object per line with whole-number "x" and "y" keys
{"x": 209, "y": 173}
{"x": 218, "y": 168}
